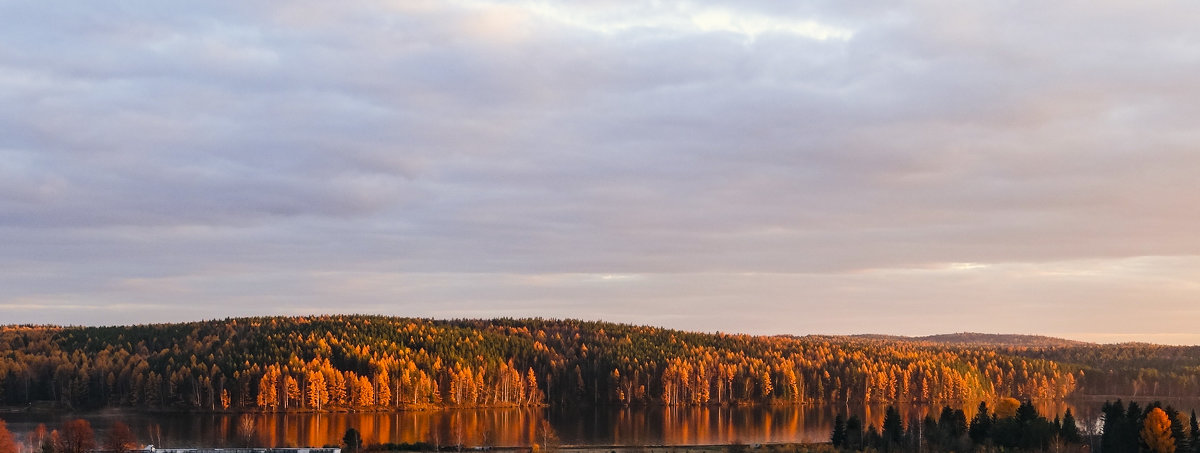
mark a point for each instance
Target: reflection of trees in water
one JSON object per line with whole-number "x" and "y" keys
{"x": 245, "y": 430}
{"x": 522, "y": 427}
{"x": 156, "y": 436}
{"x": 547, "y": 438}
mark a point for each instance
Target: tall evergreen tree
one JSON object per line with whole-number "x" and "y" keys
{"x": 1070, "y": 429}
{"x": 958, "y": 424}
{"x": 838, "y": 438}
{"x": 1194, "y": 431}
{"x": 352, "y": 440}
{"x": 854, "y": 433}
{"x": 1121, "y": 426}
{"x": 1113, "y": 418}
{"x": 1026, "y": 413}
{"x": 981, "y": 425}
{"x": 873, "y": 439}
{"x": 1177, "y": 430}
{"x": 893, "y": 427}
{"x": 945, "y": 419}
{"x": 932, "y": 433}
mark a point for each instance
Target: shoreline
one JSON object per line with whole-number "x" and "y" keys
{"x": 683, "y": 448}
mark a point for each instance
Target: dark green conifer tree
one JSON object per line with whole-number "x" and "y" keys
{"x": 981, "y": 425}
{"x": 1120, "y": 432}
{"x": 873, "y": 439}
{"x": 854, "y": 433}
{"x": 352, "y": 440}
{"x": 1194, "y": 430}
{"x": 945, "y": 419}
{"x": 958, "y": 424}
{"x": 1069, "y": 430}
{"x": 1026, "y": 413}
{"x": 893, "y": 428}
{"x": 1177, "y": 432}
{"x": 838, "y": 438}
{"x": 932, "y": 432}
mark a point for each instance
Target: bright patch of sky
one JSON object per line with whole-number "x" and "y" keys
{"x": 668, "y": 18}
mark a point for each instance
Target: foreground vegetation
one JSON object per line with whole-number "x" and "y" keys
{"x": 385, "y": 363}
{"x": 1015, "y": 426}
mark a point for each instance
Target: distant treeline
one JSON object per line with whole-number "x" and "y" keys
{"x": 382, "y": 363}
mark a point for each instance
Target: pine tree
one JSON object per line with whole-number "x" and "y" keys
{"x": 1194, "y": 431}
{"x": 838, "y": 438}
{"x": 352, "y": 440}
{"x": 958, "y": 424}
{"x": 893, "y": 427}
{"x": 1070, "y": 430}
{"x": 1182, "y": 443}
{"x": 854, "y": 433}
{"x": 981, "y": 425}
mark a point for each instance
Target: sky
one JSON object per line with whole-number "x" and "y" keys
{"x": 762, "y": 167}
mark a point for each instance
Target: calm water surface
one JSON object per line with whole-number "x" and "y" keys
{"x": 506, "y": 427}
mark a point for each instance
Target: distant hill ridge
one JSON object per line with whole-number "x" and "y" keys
{"x": 985, "y": 339}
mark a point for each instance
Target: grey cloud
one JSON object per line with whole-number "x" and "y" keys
{"x": 146, "y": 141}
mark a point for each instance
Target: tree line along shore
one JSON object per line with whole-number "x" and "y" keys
{"x": 365, "y": 363}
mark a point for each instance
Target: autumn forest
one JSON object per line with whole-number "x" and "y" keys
{"x": 368, "y": 363}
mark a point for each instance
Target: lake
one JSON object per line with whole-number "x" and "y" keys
{"x": 507, "y": 426}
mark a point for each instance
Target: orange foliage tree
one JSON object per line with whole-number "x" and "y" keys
{"x": 7, "y": 443}
{"x": 1156, "y": 432}
{"x": 76, "y": 437}
{"x": 120, "y": 439}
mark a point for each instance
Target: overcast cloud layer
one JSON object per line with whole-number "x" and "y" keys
{"x": 761, "y": 167}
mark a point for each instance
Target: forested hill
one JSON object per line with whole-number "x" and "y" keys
{"x": 985, "y": 339}
{"x": 991, "y": 339}
{"x": 385, "y": 363}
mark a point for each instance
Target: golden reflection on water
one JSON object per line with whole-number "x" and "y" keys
{"x": 459, "y": 427}
{"x": 517, "y": 426}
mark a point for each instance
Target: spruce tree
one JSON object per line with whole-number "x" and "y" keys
{"x": 1194, "y": 430}
{"x": 893, "y": 427}
{"x": 1114, "y": 425}
{"x": 838, "y": 438}
{"x": 1181, "y": 439}
{"x": 352, "y": 440}
{"x": 932, "y": 432}
{"x": 854, "y": 433}
{"x": 958, "y": 424}
{"x": 981, "y": 425}
{"x": 1070, "y": 430}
